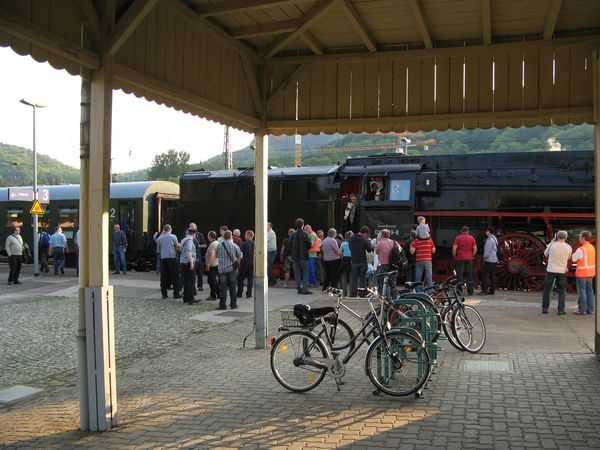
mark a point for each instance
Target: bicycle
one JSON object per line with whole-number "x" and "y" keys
{"x": 396, "y": 362}
{"x": 467, "y": 328}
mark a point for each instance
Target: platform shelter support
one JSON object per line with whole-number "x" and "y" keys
{"x": 98, "y": 409}
{"x": 261, "y": 291}
{"x": 596, "y": 91}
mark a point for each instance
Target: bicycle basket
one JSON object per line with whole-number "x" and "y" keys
{"x": 289, "y": 319}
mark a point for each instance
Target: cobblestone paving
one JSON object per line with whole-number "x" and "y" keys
{"x": 38, "y": 336}
{"x": 208, "y": 392}
{"x": 189, "y": 384}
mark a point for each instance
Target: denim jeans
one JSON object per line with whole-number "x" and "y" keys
{"x": 586, "y": 300}
{"x": 461, "y": 266}
{"x": 228, "y": 282}
{"x": 424, "y": 268}
{"x": 312, "y": 270}
{"x": 59, "y": 259}
{"x": 119, "y": 258}
{"x": 301, "y": 275}
{"x": 271, "y": 255}
{"x": 358, "y": 277}
{"x": 561, "y": 285}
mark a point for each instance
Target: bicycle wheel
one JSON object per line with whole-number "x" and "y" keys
{"x": 288, "y": 356}
{"x": 468, "y": 328}
{"x": 447, "y": 326}
{"x": 397, "y": 363}
{"x": 343, "y": 334}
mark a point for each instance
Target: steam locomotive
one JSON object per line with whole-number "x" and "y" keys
{"x": 525, "y": 196}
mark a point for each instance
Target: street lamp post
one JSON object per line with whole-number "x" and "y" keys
{"x": 36, "y": 251}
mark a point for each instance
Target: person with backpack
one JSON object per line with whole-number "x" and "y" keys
{"x": 490, "y": 259}
{"x": 44, "y": 240}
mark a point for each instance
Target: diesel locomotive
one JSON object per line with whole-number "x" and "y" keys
{"x": 526, "y": 196}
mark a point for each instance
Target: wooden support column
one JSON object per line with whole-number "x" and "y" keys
{"x": 596, "y": 102}
{"x": 261, "y": 296}
{"x": 597, "y": 208}
{"x": 84, "y": 268}
{"x": 99, "y": 313}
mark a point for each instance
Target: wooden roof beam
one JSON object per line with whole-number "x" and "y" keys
{"x": 128, "y": 23}
{"x": 311, "y": 42}
{"x": 359, "y": 25}
{"x": 89, "y": 16}
{"x": 264, "y": 30}
{"x": 47, "y": 41}
{"x": 233, "y": 6}
{"x": 284, "y": 87}
{"x": 415, "y": 6}
{"x": 208, "y": 27}
{"x": 551, "y": 19}
{"x": 486, "y": 21}
{"x": 305, "y": 23}
{"x": 252, "y": 82}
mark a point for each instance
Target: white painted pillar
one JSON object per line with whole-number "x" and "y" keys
{"x": 99, "y": 312}
{"x": 261, "y": 292}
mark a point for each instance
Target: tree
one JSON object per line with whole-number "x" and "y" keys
{"x": 169, "y": 166}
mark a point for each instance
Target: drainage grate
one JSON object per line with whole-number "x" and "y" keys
{"x": 235, "y": 314}
{"x": 489, "y": 366}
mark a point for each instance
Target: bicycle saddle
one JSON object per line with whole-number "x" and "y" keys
{"x": 412, "y": 284}
{"x": 307, "y": 315}
{"x": 386, "y": 274}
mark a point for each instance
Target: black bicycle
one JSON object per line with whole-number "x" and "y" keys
{"x": 396, "y": 362}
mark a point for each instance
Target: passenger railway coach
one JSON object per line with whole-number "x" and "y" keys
{"x": 526, "y": 196}
{"x": 139, "y": 207}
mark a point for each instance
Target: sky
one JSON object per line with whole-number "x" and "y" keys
{"x": 155, "y": 130}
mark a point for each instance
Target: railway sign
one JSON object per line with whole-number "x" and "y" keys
{"x": 36, "y": 208}
{"x": 26, "y": 195}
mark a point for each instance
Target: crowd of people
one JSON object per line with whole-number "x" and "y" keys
{"x": 316, "y": 259}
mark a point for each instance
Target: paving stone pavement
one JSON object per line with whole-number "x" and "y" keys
{"x": 203, "y": 390}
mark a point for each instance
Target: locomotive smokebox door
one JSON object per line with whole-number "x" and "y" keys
{"x": 427, "y": 183}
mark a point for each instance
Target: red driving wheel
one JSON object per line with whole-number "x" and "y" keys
{"x": 522, "y": 267}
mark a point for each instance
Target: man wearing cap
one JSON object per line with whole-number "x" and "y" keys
{"x": 187, "y": 262}
{"x": 463, "y": 251}
{"x": 558, "y": 253}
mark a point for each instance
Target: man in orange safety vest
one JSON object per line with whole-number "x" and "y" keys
{"x": 585, "y": 257}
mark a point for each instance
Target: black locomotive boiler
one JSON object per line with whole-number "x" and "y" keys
{"x": 526, "y": 196}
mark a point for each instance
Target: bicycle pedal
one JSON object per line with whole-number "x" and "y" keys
{"x": 376, "y": 393}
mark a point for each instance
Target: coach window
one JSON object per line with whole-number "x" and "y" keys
{"x": 43, "y": 219}
{"x": 67, "y": 217}
{"x": 14, "y": 217}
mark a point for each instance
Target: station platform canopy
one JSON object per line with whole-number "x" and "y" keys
{"x": 306, "y": 66}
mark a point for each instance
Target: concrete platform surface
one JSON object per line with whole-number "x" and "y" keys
{"x": 188, "y": 383}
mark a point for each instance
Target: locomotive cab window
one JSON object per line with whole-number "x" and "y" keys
{"x": 14, "y": 217}
{"x": 400, "y": 190}
{"x": 376, "y": 189}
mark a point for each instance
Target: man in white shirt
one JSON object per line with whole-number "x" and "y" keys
{"x": 558, "y": 253}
